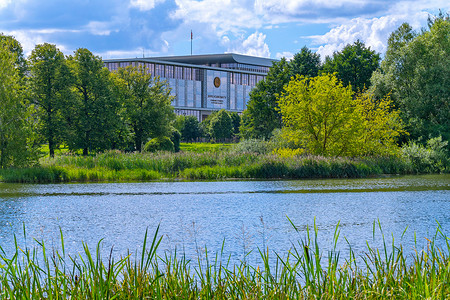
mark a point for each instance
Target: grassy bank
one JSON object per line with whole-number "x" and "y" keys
{"x": 303, "y": 272}
{"x": 117, "y": 166}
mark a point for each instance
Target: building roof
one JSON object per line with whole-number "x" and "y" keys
{"x": 208, "y": 59}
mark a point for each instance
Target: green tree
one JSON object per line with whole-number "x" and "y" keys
{"x": 416, "y": 70}
{"x": 321, "y": 116}
{"x": 92, "y": 115}
{"x": 13, "y": 46}
{"x": 50, "y": 81}
{"x": 16, "y": 144}
{"x": 178, "y": 123}
{"x": 354, "y": 65}
{"x": 261, "y": 116}
{"x": 305, "y": 63}
{"x": 147, "y": 103}
{"x": 191, "y": 129}
{"x": 221, "y": 126}
{"x": 236, "y": 122}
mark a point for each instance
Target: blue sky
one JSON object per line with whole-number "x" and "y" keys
{"x": 267, "y": 28}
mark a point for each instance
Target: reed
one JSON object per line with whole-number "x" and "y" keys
{"x": 119, "y": 166}
{"x": 302, "y": 272}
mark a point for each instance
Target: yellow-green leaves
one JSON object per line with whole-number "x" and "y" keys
{"x": 323, "y": 117}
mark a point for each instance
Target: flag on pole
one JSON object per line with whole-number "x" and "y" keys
{"x": 191, "y": 41}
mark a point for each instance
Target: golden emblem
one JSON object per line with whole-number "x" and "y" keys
{"x": 217, "y": 82}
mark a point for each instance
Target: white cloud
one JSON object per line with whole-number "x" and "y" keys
{"x": 139, "y": 52}
{"x": 145, "y": 5}
{"x": 4, "y": 3}
{"x": 27, "y": 39}
{"x": 286, "y": 54}
{"x": 99, "y": 28}
{"x": 222, "y": 15}
{"x": 373, "y": 32}
{"x": 254, "y": 45}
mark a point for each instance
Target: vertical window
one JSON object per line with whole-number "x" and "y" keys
{"x": 159, "y": 70}
{"x": 187, "y": 73}
{"x": 179, "y": 72}
{"x": 196, "y": 74}
{"x": 252, "y": 80}
{"x": 169, "y": 72}
{"x": 244, "y": 79}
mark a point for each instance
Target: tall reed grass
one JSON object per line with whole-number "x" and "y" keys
{"x": 118, "y": 166}
{"x": 305, "y": 271}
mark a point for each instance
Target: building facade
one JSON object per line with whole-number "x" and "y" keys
{"x": 202, "y": 84}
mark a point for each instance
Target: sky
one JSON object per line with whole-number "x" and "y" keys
{"x": 266, "y": 28}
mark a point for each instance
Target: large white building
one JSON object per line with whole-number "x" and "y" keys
{"x": 202, "y": 84}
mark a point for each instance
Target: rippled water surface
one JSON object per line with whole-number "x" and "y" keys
{"x": 243, "y": 214}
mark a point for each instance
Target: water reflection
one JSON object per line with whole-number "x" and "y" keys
{"x": 246, "y": 214}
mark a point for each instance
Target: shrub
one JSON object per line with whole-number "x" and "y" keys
{"x": 159, "y": 144}
{"x": 430, "y": 158}
{"x": 176, "y": 138}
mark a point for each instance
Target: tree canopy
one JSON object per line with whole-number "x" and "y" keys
{"x": 50, "y": 81}
{"x": 416, "y": 71}
{"x": 147, "y": 104}
{"x": 16, "y": 143}
{"x": 353, "y": 65}
{"x": 261, "y": 116}
{"x": 321, "y": 116}
{"x": 93, "y": 114}
{"x": 305, "y": 63}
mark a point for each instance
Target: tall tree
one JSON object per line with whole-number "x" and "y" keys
{"x": 92, "y": 116}
{"x": 354, "y": 65}
{"x": 305, "y": 63}
{"x": 416, "y": 70}
{"x": 191, "y": 129}
{"x": 15, "y": 145}
{"x": 50, "y": 81}
{"x": 221, "y": 126}
{"x": 261, "y": 116}
{"x": 147, "y": 103}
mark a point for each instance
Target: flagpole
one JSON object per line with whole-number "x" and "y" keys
{"x": 191, "y": 41}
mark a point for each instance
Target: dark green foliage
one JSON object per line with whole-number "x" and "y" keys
{"x": 432, "y": 158}
{"x": 159, "y": 144}
{"x": 221, "y": 126}
{"x": 236, "y": 122}
{"x": 50, "y": 81}
{"x": 34, "y": 175}
{"x": 354, "y": 65}
{"x": 191, "y": 129}
{"x": 416, "y": 70}
{"x": 176, "y": 139}
{"x": 92, "y": 115}
{"x": 261, "y": 116}
{"x": 147, "y": 104}
{"x": 305, "y": 63}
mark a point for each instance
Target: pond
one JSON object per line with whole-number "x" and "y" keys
{"x": 244, "y": 215}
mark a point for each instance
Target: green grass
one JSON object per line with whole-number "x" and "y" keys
{"x": 204, "y": 147}
{"x": 305, "y": 271}
{"x": 118, "y": 166}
